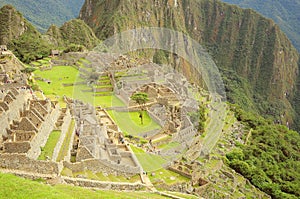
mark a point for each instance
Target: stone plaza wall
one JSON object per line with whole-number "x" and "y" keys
{"x": 16, "y": 161}
{"x": 105, "y": 166}
{"x": 41, "y": 138}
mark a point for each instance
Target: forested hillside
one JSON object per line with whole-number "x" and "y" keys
{"x": 284, "y": 12}
{"x": 44, "y": 13}
{"x": 28, "y": 44}
{"x": 257, "y": 60}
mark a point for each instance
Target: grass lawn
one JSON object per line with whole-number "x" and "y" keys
{"x": 60, "y": 75}
{"x": 166, "y": 175}
{"x": 65, "y": 146}
{"x": 50, "y": 145}
{"x": 183, "y": 195}
{"x": 130, "y": 122}
{"x": 168, "y": 146}
{"x": 99, "y": 176}
{"x": 149, "y": 162}
{"x": 16, "y": 187}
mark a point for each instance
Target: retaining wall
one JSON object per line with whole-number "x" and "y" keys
{"x": 21, "y": 162}
{"x": 42, "y": 136}
{"x": 64, "y": 130}
{"x": 120, "y": 186}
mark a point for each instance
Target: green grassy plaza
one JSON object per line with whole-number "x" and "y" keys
{"x": 54, "y": 87}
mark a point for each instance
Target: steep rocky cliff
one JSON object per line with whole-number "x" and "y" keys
{"x": 284, "y": 12}
{"x": 250, "y": 50}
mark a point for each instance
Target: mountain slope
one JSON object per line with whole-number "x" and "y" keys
{"x": 28, "y": 44}
{"x": 74, "y": 31}
{"x": 284, "y": 12}
{"x": 44, "y": 13}
{"x": 20, "y": 36}
{"x": 246, "y": 47}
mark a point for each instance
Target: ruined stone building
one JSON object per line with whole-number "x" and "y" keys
{"x": 30, "y": 132}
{"x": 100, "y": 142}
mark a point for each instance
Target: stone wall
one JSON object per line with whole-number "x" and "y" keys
{"x": 21, "y": 162}
{"x": 13, "y": 112}
{"x": 41, "y": 138}
{"x": 16, "y": 147}
{"x": 68, "y": 156}
{"x": 183, "y": 173}
{"x": 185, "y": 135}
{"x": 105, "y": 166}
{"x": 64, "y": 130}
{"x": 120, "y": 186}
{"x": 155, "y": 118}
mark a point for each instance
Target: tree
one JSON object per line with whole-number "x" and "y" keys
{"x": 140, "y": 98}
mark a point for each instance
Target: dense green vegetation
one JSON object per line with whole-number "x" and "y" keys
{"x": 30, "y": 46}
{"x": 73, "y": 36}
{"x": 270, "y": 159}
{"x": 43, "y": 14}
{"x": 16, "y": 187}
{"x": 284, "y": 12}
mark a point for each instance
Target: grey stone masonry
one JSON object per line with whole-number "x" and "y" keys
{"x": 15, "y": 161}
{"x": 64, "y": 129}
{"x": 45, "y": 129}
{"x": 10, "y": 112}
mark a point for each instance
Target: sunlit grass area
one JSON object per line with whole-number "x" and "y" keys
{"x": 149, "y": 162}
{"x": 130, "y": 122}
{"x": 16, "y": 187}
{"x": 65, "y": 146}
{"x": 99, "y": 176}
{"x": 55, "y": 82}
{"x": 168, "y": 177}
{"x": 47, "y": 150}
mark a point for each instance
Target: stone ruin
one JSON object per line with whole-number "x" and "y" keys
{"x": 99, "y": 141}
{"x": 30, "y": 132}
{"x": 26, "y": 123}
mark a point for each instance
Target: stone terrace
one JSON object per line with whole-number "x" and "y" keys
{"x": 31, "y": 131}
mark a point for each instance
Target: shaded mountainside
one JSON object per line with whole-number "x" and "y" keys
{"x": 44, "y": 13}
{"x": 284, "y": 12}
{"x": 28, "y": 44}
{"x": 249, "y": 49}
